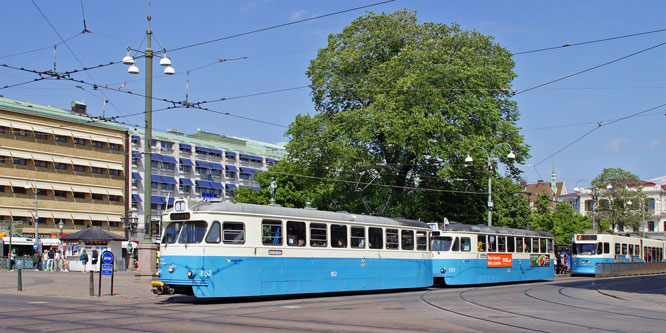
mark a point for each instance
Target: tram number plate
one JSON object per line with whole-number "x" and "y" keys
{"x": 452, "y": 270}
{"x": 205, "y": 272}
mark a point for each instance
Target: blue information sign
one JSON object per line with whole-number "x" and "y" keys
{"x": 35, "y": 245}
{"x": 107, "y": 269}
{"x": 107, "y": 257}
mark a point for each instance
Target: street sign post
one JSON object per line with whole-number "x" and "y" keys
{"x": 106, "y": 269}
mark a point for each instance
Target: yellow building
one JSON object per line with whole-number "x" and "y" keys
{"x": 60, "y": 166}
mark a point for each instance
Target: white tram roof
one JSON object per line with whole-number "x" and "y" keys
{"x": 278, "y": 211}
{"x": 495, "y": 230}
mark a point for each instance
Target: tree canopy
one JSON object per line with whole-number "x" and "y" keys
{"x": 619, "y": 199}
{"x": 415, "y": 98}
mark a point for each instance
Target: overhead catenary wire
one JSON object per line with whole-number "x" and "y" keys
{"x": 280, "y": 25}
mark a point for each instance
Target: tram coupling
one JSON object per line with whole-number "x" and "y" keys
{"x": 161, "y": 288}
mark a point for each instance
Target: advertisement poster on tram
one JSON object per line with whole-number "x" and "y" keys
{"x": 500, "y": 260}
{"x": 539, "y": 260}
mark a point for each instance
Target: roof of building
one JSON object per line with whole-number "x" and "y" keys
{"x": 200, "y": 138}
{"x": 92, "y": 233}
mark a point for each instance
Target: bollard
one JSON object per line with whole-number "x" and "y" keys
{"x": 19, "y": 285}
{"x": 91, "y": 287}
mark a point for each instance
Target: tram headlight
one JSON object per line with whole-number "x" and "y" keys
{"x": 158, "y": 273}
{"x": 171, "y": 268}
{"x": 190, "y": 274}
{"x": 442, "y": 270}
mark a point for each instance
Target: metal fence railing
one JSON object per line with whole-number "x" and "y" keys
{"x": 629, "y": 268}
{"x": 19, "y": 262}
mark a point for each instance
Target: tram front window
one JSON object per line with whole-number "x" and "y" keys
{"x": 441, "y": 244}
{"x": 586, "y": 249}
{"x": 193, "y": 232}
{"x": 171, "y": 233}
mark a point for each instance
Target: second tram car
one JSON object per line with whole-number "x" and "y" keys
{"x": 475, "y": 254}
{"x": 224, "y": 249}
{"x": 590, "y": 249}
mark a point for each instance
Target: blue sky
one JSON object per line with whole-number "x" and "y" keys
{"x": 552, "y": 116}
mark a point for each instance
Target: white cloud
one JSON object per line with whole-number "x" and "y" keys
{"x": 615, "y": 144}
{"x": 654, "y": 144}
{"x": 297, "y": 15}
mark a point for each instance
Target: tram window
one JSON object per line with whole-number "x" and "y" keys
{"x": 510, "y": 244}
{"x": 492, "y": 243}
{"x": 637, "y": 250}
{"x": 528, "y": 244}
{"x": 392, "y": 239}
{"x": 600, "y": 249}
{"x": 358, "y": 237}
{"x": 535, "y": 245}
{"x": 193, "y": 232}
{"x": 550, "y": 245}
{"x": 631, "y": 249}
{"x": 606, "y": 247}
{"x": 544, "y": 248}
{"x": 407, "y": 239}
{"x": 481, "y": 243}
{"x": 295, "y": 233}
{"x": 456, "y": 245}
{"x": 519, "y": 244}
{"x": 234, "y": 232}
{"x": 617, "y": 248}
{"x": 501, "y": 242}
{"x": 171, "y": 233}
{"x": 271, "y": 232}
{"x": 375, "y": 238}
{"x": 338, "y": 235}
{"x": 624, "y": 249}
{"x": 465, "y": 244}
{"x": 318, "y": 234}
{"x": 421, "y": 241}
{"x": 213, "y": 233}
{"x": 441, "y": 243}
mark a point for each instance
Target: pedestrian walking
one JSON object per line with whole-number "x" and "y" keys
{"x": 51, "y": 258}
{"x": 95, "y": 256}
{"x": 45, "y": 258}
{"x": 36, "y": 260}
{"x": 84, "y": 259}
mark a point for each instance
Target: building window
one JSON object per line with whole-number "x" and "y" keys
{"x": 245, "y": 176}
{"x": 650, "y": 226}
{"x": 41, "y": 135}
{"x": 96, "y": 170}
{"x": 135, "y": 161}
{"x": 41, "y": 164}
{"x": 97, "y": 144}
{"x": 79, "y": 141}
{"x": 19, "y": 190}
{"x": 185, "y": 168}
{"x": 2, "y": 159}
{"x": 154, "y": 185}
{"x": 60, "y": 194}
{"x": 114, "y": 146}
{"x": 185, "y": 188}
{"x": 61, "y": 166}
{"x": 168, "y": 166}
{"x": 79, "y": 195}
{"x": 96, "y": 196}
{"x": 60, "y": 138}
{"x": 167, "y": 145}
{"x": 20, "y": 161}
{"x": 114, "y": 172}
{"x": 154, "y": 164}
{"x": 114, "y": 198}
{"x": 230, "y": 174}
{"x": 19, "y": 132}
{"x": 79, "y": 168}
{"x": 135, "y": 183}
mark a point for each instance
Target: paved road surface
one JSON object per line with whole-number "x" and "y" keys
{"x": 60, "y": 302}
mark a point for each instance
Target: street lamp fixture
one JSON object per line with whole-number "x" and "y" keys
{"x": 61, "y": 226}
{"x": 469, "y": 159}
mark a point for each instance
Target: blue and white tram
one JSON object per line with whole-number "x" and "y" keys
{"x": 590, "y": 249}
{"x": 474, "y": 254}
{"x": 224, "y": 249}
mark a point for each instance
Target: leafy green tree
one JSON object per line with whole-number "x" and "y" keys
{"x": 566, "y": 222}
{"x": 415, "y": 97}
{"x": 621, "y": 203}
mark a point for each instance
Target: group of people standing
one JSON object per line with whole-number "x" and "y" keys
{"x": 561, "y": 263}
{"x": 55, "y": 260}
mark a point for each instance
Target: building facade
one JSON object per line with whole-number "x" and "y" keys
{"x": 586, "y": 201}
{"x": 60, "y": 171}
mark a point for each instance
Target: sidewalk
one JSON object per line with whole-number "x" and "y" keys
{"x": 75, "y": 285}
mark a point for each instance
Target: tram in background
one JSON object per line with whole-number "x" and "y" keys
{"x": 224, "y": 249}
{"x": 590, "y": 249}
{"x": 475, "y": 254}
